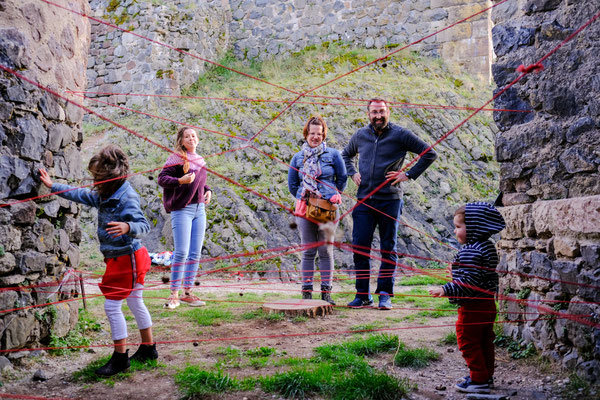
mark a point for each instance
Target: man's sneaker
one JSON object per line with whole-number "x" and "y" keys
{"x": 468, "y": 386}
{"x": 385, "y": 301}
{"x": 359, "y": 303}
{"x": 192, "y": 300}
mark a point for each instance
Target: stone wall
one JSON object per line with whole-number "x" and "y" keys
{"x": 38, "y": 239}
{"x": 263, "y": 28}
{"x": 550, "y": 176}
{"x": 124, "y": 63}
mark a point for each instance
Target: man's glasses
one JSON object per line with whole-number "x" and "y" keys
{"x": 382, "y": 112}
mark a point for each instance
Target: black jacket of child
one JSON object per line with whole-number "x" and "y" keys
{"x": 474, "y": 268}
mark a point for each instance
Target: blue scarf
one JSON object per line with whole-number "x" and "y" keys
{"x": 311, "y": 169}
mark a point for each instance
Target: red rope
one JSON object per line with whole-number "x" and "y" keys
{"x": 526, "y": 70}
{"x": 282, "y": 335}
{"x": 392, "y": 104}
{"x": 165, "y": 119}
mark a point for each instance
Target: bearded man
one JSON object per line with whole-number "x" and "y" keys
{"x": 381, "y": 147}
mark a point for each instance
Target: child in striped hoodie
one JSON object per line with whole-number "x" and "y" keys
{"x": 473, "y": 287}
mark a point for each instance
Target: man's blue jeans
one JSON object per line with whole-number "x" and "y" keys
{"x": 366, "y": 219}
{"x": 189, "y": 226}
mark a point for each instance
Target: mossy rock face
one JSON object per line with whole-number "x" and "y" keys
{"x": 463, "y": 172}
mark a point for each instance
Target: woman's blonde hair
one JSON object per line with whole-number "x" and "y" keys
{"x": 180, "y": 148}
{"x": 106, "y": 165}
{"x": 315, "y": 120}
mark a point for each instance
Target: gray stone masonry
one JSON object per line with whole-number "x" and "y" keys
{"x": 125, "y": 63}
{"x": 38, "y": 239}
{"x": 550, "y": 176}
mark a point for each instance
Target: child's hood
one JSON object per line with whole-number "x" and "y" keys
{"x": 482, "y": 221}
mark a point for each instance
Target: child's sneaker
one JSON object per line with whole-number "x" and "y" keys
{"x": 192, "y": 300}
{"x": 490, "y": 381}
{"x": 468, "y": 386}
{"x": 172, "y": 303}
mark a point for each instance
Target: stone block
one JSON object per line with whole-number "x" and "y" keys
{"x": 7, "y": 264}
{"x": 18, "y": 330}
{"x": 577, "y": 160}
{"x": 34, "y": 137}
{"x": 568, "y": 217}
{"x": 566, "y": 247}
{"x": 31, "y": 261}
{"x": 518, "y": 221}
{"x": 566, "y": 275}
{"x": 23, "y": 213}
{"x": 10, "y": 238}
{"x": 459, "y": 32}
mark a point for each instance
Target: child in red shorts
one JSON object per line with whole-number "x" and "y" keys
{"x": 120, "y": 223}
{"x": 473, "y": 286}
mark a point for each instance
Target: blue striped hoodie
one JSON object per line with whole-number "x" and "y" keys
{"x": 475, "y": 264}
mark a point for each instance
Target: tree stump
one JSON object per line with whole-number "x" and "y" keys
{"x": 299, "y": 307}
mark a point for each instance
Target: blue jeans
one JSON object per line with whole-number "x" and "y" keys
{"x": 366, "y": 219}
{"x": 189, "y": 225}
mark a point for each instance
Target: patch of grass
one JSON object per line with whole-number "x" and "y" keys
{"x": 516, "y": 349}
{"x": 420, "y": 298}
{"x": 299, "y": 319}
{"x": 88, "y": 375}
{"x": 261, "y": 352}
{"x": 421, "y": 280}
{"x": 196, "y": 383}
{"x": 367, "y": 327}
{"x": 328, "y": 380}
{"x": 78, "y": 336}
{"x": 337, "y": 371}
{"x": 449, "y": 339}
{"x": 416, "y": 358}
{"x": 370, "y": 345}
{"x": 275, "y": 317}
{"x": 208, "y": 316}
{"x": 577, "y": 388}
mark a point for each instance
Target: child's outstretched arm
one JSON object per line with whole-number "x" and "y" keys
{"x": 79, "y": 195}
{"x": 137, "y": 224}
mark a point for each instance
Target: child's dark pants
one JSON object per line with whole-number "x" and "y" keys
{"x": 475, "y": 336}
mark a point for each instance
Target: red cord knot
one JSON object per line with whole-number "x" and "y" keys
{"x": 530, "y": 68}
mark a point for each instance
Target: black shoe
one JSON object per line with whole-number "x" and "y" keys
{"x": 326, "y": 294}
{"x": 144, "y": 353}
{"x": 118, "y": 362}
{"x": 361, "y": 303}
{"x": 307, "y": 292}
{"x": 468, "y": 386}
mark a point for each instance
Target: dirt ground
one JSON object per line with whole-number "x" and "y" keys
{"x": 518, "y": 379}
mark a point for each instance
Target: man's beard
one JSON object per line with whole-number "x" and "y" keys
{"x": 379, "y": 124}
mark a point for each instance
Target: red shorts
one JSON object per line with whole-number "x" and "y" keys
{"x": 123, "y": 273}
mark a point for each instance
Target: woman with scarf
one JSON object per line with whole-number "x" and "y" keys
{"x": 317, "y": 175}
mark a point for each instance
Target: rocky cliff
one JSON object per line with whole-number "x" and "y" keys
{"x": 550, "y": 175}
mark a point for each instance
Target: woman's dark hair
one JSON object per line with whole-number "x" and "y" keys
{"x": 315, "y": 120}
{"x": 106, "y": 165}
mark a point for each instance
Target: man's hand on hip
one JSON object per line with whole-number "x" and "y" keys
{"x": 397, "y": 177}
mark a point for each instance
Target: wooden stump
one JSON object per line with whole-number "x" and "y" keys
{"x": 297, "y": 307}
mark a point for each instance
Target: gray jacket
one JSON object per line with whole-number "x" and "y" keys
{"x": 383, "y": 153}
